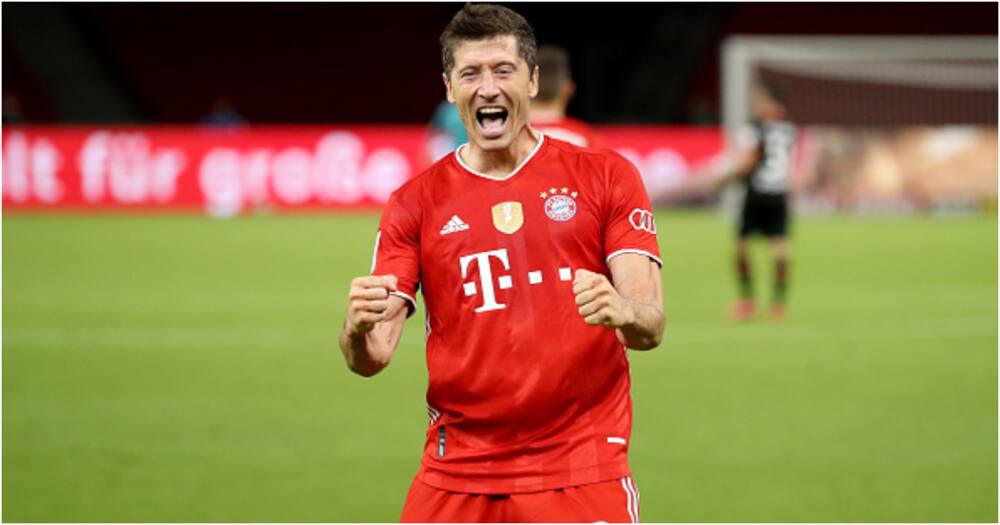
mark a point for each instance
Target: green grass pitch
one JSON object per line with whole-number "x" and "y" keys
{"x": 182, "y": 369}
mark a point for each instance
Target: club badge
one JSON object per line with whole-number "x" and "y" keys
{"x": 560, "y": 204}
{"x": 508, "y": 217}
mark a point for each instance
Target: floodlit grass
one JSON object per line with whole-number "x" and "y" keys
{"x": 185, "y": 369}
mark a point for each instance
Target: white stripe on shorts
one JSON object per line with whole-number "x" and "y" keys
{"x": 635, "y": 491}
{"x": 632, "y": 500}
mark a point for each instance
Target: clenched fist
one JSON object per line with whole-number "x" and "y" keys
{"x": 368, "y": 301}
{"x": 599, "y": 303}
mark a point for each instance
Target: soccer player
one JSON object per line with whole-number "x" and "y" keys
{"x": 539, "y": 266}
{"x": 555, "y": 90}
{"x": 764, "y": 174}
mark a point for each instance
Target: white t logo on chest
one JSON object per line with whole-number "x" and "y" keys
{"x": 486, "y": 278}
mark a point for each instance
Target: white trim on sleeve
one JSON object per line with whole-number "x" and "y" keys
{"x": 402, "y": 295}
{"x": 632, "y": 250}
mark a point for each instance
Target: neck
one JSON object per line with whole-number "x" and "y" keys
{"x": 500, "y": 163}
{"x": 547, "y": 112}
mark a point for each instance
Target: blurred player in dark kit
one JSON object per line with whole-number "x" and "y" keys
{"x": 764, "y": 175}
{"x": 555, "y": 90}
{"x": 539, "y": 267}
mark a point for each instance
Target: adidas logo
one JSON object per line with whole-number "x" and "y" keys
{"x": 454, "y": 225}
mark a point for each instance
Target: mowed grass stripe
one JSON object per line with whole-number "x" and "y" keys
{"x": 184, "y": 369}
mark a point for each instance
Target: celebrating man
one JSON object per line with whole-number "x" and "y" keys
{"x": 539, "y": 266}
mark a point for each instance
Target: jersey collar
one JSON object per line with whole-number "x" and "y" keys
{"x": 458, "y": 157}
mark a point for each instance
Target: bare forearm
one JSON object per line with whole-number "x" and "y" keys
{"x": 373, "y": 324}
{"x": 640, "y": 294}
{"x": 644, "y": 331}
{"x": 741, "y": 170}
{"x": 728, "y": 177}
{"x": 363, "y": 353}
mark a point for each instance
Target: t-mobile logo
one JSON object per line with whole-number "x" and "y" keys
{"x": 486, "y": 278}
{"x": 535, "y": 277}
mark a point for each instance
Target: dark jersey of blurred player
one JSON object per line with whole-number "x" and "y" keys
{"x": 765, "y": 205}
{"x": 555, "y": 89}
{"x": 523, "y": 395}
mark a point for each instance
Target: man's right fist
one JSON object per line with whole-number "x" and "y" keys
{"x": 368, "y": 301}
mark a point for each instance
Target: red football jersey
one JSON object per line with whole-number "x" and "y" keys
{"x": 569, "y": 129}
{"x": 523, "y": 395}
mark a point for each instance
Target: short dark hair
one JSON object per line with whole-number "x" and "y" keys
{"x": 553, "y": 65}
{"x": 481, "y": 21}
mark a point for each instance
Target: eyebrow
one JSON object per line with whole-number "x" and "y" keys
{"x": 496, "y": 64}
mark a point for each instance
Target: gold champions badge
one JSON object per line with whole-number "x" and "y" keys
{"x": 508, "y": 217}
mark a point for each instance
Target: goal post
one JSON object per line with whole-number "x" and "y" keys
{"x": 889, "y": 122}
{"x": 915, "y": 75}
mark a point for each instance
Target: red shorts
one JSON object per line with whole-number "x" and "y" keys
{"x": 615, "y": 501}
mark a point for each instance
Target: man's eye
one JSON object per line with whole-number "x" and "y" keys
{"x": 505, "y": 71}
{"x": 467, "y": 74}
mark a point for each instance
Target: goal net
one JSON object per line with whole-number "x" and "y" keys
{"x": 889, "y": 123}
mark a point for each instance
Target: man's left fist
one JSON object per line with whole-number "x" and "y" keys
{"x": 599, "y": 303}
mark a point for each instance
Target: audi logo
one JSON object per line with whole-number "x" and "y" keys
{"x": 642, "y": 220}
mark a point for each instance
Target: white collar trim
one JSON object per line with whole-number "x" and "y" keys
{"x": 458, "y": 157}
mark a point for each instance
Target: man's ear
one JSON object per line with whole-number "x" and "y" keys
{"x": 447, "y": 88}
{"x": 569, "y": 89}
{"x": 533, "y": 83}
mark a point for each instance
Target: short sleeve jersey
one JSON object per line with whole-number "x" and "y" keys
{"x": 523, "y": 395}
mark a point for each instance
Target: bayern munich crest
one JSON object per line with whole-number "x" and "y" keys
{"x": 560, "y": 205}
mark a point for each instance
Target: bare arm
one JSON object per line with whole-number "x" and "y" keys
{"x": 743, "y": 169}
{"x": 373, "y": 325}
{"x": 633, "y": 305}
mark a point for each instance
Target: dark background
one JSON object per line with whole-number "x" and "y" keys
{"x": 313, "y": 63}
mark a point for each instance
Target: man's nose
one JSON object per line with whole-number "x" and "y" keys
{"x": 488, "y": 89}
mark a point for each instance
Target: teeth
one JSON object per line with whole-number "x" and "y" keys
{"x": 491, "y": 111}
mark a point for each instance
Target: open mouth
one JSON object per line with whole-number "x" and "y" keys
{"x": 492, "y": 120}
